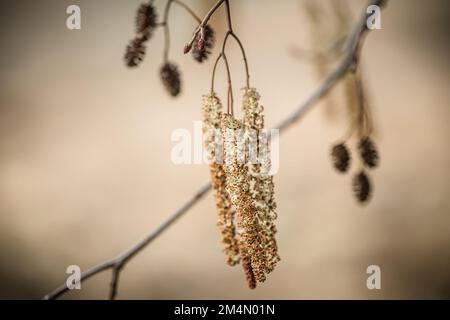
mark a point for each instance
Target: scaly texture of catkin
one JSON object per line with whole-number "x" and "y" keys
{"x": 261, "y": 183}
{"x": 237, "y": 186}
{"x": 212, "y": 113}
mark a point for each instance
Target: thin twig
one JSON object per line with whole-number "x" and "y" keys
{"x": 166, "y": 31}
{"x": 244, "y": 56}
{"x": 118, "y": 263}
{"x": 114, "y": 283}
{"x": 205, "y": 21}
{"x": 222, "y": 55}
{"x": 230, "y": 25}
{"x": 230, "y": 88}
{"x": 188, "y": 9}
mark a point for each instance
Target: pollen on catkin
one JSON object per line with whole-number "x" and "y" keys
{"x": 212, "y": 113}
{"x": 237, "y": 185}
{"x": 261, "y": 183}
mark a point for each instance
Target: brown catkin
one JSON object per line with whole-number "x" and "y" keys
{"x": 361, "y": 186}
{"x": 212, "y": 113}
{"x": 135, "y": 52}
{"x": 340, "y": 157}
{"x": 368, "y": 152}
{"x": 261, "y": 183}
{"x": 146, "y": 19}
{"x": 237, "y": 186}
{"x": 171, "y": 78}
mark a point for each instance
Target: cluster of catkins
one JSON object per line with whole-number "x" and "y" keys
{"x": 369, "y": 156}
{"x": 146, "y": 23}
{"x": 244, "y": 189}
{"x": 366, "y": 147}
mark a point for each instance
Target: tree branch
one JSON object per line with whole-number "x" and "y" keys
{"x": 204, "y": 22}
{"x": 351, "y": 52}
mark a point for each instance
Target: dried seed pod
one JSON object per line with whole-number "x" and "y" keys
{"x": 212, "y": 112}
{"x": 261, "y": 183}
{"x": 170, "y": 77}
{"x": 368, "y": 152}
{"x": 237, "y": 186}
{"x": 146, "y": 19}
{"x": 340, "y": 157}
{"x": 203, "y": 46}
{"x": 361, "y": 186}
{"x": 135, "y": 52}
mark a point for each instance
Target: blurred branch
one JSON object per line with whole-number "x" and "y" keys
{"x": 350, "y": 57}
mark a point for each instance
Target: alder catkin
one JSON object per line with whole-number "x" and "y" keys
{"x": 135, "y": 52}
{"x": 171, "y": 78}
{"x": 340, "y": 157}
{"x": 146, "y": 20}
{"x": 368, "y": 152}
{"x": 237, "y": 185}
{"x": 261, "y": 183}
{"x": 361, "y": 186}
{"x": 212, "y": 113}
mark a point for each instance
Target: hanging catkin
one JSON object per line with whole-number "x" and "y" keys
{"x": 261, "y": 183}
{"x": 237, "y": 185}
{"x": 212, "y": 112}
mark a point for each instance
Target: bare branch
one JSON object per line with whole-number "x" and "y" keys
{"x": 353, "y": 46}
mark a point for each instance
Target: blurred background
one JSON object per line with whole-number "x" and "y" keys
{"x": 85, "y": 168}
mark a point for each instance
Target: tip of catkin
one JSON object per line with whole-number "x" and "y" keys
{"x": 361, "y": 187}
{"x": 340, "y": 157}
{"x": 248, "y": 272}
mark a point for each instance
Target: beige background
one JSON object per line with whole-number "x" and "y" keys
{"x": 85, "y": 166}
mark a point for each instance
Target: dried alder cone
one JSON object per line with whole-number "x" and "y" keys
{"x": 135, "y": 52}
{"x": 341, "y": 157}
{"x": 244, "y": 190}
{"x": 368, "y": 152}
{"x": 203, "y": 45}
{"x": 361, "y": 186}
{"x": 145, "y": 25}
{"x": 361, "y": 126}
{"x": 146, "y": 18}
{"x": 171, "y": 79}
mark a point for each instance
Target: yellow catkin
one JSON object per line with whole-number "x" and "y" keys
{"x": 212, "y": 112}
{"x": 261, "y": 183}
{"x": 237, "y": 186}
